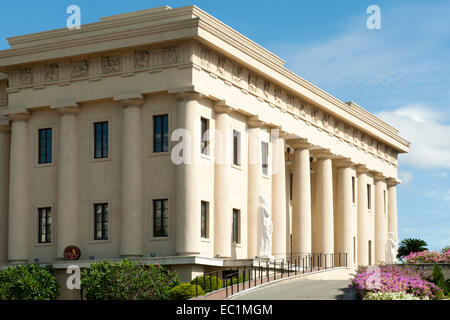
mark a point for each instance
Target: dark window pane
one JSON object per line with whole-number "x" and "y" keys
{"x": 45, "y": 146}
{"x": 45, "y": 225}
{"x": 101, "y": 221}
{"x": 160, "y": 218}
{"x": 101, "y": 140}
{"x": 161, "y": 133}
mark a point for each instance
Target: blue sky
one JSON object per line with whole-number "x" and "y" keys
{"x": 400, "y": 73}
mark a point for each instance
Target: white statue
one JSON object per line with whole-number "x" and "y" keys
{"x": 266, "y": 229}
{"x": 393, "y": 247}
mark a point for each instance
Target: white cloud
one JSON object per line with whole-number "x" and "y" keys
{"x": 429, "y": 137}
{"x": 406, "y": 177}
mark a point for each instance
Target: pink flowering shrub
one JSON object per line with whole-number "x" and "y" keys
{"x": 428, "y": 257}
{"x": 394, "y": 278}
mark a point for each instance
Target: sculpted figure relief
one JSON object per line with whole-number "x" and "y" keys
{"x": 80, "y": 69}
{"x": 266, "y": 229}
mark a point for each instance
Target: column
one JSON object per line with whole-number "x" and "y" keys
{"x": 188, "y": 201}
{"x": 19, "y": 222}
{"x": 254, "y": 185}
{"x": 222, "y": 187}
{"x": 344, "y": 217}
{"x": 380, "y": 220}
{"x": 132, "y": 184}
{"x": 392, "y": 207}
{"x": 363, "y": 221}
{"x": 301, "y": 199}
{"x": 279, "y": 218}
{"x": 5, "y": 141}
{"x": 324, "y": 203}
{"x": 67, "y": 197}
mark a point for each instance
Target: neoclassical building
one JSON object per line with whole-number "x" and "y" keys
{"x": 89, "y": 128}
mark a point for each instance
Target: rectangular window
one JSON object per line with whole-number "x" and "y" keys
{"x": 205, "y": 219}
{"x": 161, "y": 133}
{"x": 101, "y": 140}
{"x": 236, "y": 148}
{"x": 291, "y": 179}
{"x": 265, "y": 158}
{"x": 45, "y": 146}
{"x": 370, "y": 252}
{"x": 353, "y": 190}
{"x": 45, "y": 225}
{"x": 160, "y": 218}
{"x": 205, "y": 136}
{"x": 101, "y": 221}
{"x": 354, "y": 250}
{"x": 384, "y": 202}
{"x": 369, "y": 197}
{"x": 236, "y": 226}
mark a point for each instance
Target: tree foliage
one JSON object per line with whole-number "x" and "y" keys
{"x": 28, "y": 282}
{"x": 127, "y": 281}
{"x": 411, "y": 245}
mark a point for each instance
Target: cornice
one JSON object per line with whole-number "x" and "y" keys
{"x": 136, "y": 27}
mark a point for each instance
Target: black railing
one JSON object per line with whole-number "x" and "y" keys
{"x": 241, "y": 278}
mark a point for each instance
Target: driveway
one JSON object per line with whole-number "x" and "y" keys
{"x": 299, "y": 289}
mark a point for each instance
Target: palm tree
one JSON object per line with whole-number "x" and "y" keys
{"x": 411, "y": 245}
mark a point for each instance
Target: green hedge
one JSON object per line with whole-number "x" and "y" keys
{"x": 208, "y": 283}
{"x": 30, "y": 282}
{"x": 127, "y": 281}
{"x": 185, "y": 291}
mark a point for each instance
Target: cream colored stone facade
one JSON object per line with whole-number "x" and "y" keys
{"x": 183, "y": 63}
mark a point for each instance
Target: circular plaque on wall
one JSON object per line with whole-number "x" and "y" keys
{"x": 72, "y": 253}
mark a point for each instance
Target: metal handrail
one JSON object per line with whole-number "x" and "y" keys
{"x": 261, "y": 272}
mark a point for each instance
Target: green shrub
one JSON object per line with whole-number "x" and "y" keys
{"x": 127, "y": 281}
{"x": 438, "y": 279}
{"x": 30, "y": 282}
{"x": 185, "y": 291}
{"x": 208, "y": 283}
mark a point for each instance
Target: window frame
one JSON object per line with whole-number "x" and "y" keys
{"x": 236, "y": 227}
{"x": 154, "y": 117}
{"x": 369, "y": 196}
{"x": 353, "y": 190}
{"x": 237, "y": 148}
{"x": 103, "y": 135}
{"x": 48, "y": 229}
{"x": 265, "y": 157}
{"x": 204, "y": 136}
{"x": 204, "y": 229}
{"x": 53, "y": 145}
{"x": 167, "y": 208}
{"x": 102, "y": 238}
{"x": 46, "y": 161}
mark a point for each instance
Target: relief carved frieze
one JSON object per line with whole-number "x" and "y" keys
{"x": 238, "y": 74}
{"x": 141, "y": 59}
{"x": 266, "y": 88}
{"x": 80, "y": 69}
{"x": 110, "y": 64}
{"x": 221, "y": 65}
{"x": 52, "y": 72}
{"x": 25, "y": 77}
{"x": 205, "y": 56}
{"x": 169, "y": 55}
{"x": 277, "y": 94}
{"x": 252, "y": 83}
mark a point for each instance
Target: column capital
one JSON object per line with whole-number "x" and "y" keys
{"x": 361, "y": 168}
{"x": 322, "y": 154}
{"x": 299, "y": 144}
{"x": 5, "y": 126}
{"x": 187, "y": 93}
{"x": 378, "y": 176}
{"x": 69, "y": 107}
{"x": 392, "y": 182}
{"x": 221, "y": 106}
{"x": 134, "y": 99}
{"x": 343, "y": 163}
{"x": 255, "y": 122}
{"x": 20, "y": 114}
